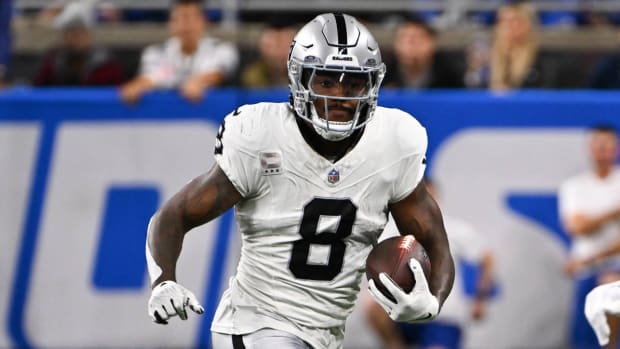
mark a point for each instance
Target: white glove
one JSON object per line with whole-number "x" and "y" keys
{"x": 602, "y": 300}
{"x": 169, "y": 299}
{"x": 419, "y": 305}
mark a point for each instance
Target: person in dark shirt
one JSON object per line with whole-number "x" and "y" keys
{"x": 5, "y": 40}
{"x": 515, "y": 57}
{"x": 606, "y": 73}
{"x": 270, "y": 69}
{"x": 77, "y": 60}
{"x": 417, "y": 63}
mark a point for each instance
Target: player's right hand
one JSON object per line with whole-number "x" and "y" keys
{"x": 169, "y": 299}
{"x": 602, "y": 300}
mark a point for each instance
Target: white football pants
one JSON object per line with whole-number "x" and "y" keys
{"x": 262, "y": 339}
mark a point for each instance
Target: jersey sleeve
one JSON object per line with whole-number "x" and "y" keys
{"x": 413, "y": 142}
{"x": 236, "y": 152}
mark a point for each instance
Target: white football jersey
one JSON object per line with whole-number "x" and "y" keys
{"x": 167, "y": 66}
{"x": 308, "y": 224}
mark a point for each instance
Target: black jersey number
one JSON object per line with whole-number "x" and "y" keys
{"x": 313, "y": 211}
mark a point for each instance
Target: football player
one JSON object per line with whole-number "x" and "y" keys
{"x": 603, "y": 300}
{"x": 312, "y": 182}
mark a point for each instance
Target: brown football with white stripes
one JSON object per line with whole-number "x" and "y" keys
{"x": 391, "y": 256}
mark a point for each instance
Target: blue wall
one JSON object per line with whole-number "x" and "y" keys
{"x": 444, "y": 114}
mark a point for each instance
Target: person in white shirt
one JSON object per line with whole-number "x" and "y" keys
{"x": 189, "y": 60}
{"x": 447, "y": 331}
{"x": 589, "y": 207}
{"x": 312, "y": 181}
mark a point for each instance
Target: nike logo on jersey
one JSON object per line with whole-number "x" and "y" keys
{"x": 428, "y": 316}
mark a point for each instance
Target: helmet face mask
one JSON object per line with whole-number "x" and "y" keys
{"x": 326, "y": 83}
{"x": 335, "y": 69}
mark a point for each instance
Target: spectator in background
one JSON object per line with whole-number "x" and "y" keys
{"x": 270, "y": 69}
{"x": 516, "y": 61}
{"x": 103, "y": 10}
{"x": 514, "y": 52}
{"x": 188, "y": 61}
{"x": 78, "y": 61}
{"x": 477, "y": 63}
{"x": 589, "y": 206}
{"x": 606, "y": 73}
{"x": 447, "y": 330}
{"x": 47, "y": 14}
{"x": 5, "y": 40}
{"x": 417, "y": 64}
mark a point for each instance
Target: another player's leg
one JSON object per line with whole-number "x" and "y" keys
{"x": 262, "y": 339}
{"x": 613, "y": 321}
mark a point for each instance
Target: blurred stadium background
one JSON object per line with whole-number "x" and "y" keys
{"x": 582, "y": 29}
{"x": 82, "y": 172}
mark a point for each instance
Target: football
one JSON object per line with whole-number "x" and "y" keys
{"x": 392, "y": 256}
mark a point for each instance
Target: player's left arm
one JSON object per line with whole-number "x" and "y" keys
{"x": 418, "y": 214}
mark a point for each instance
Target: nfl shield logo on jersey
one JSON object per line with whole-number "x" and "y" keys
{"x": 333, "y": 176}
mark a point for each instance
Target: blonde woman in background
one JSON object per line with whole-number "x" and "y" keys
{"x": 515, "y": 48}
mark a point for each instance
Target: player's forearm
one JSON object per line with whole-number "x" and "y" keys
{"x": 434, "y": 238}
{"x": 164, "y": 242}
{"x": 201, "y": 200}
{"x": 435, "y": 241}
{"x": 442, "y": 271}
{"x": 419, "y": 215}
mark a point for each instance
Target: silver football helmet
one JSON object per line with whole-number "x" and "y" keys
{"x": 337, "y": 50}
